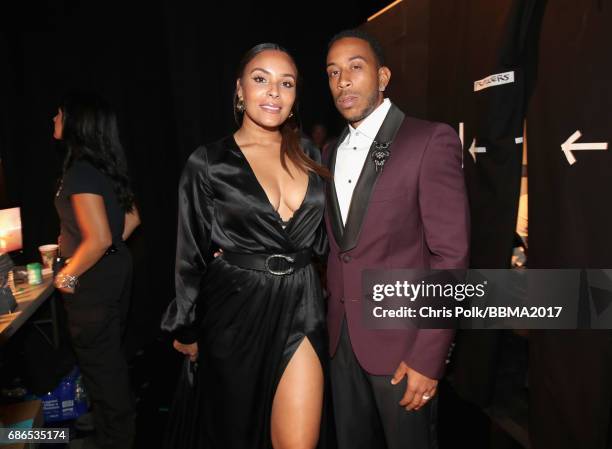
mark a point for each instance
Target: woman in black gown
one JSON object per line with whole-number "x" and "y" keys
{"x": 254, "y": 317}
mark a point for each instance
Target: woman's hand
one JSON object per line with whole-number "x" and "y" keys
{"x": 131, "y": 222}
{"x": 190, "y": 350}
{"x": 66, "y": 290}
{"x": 65, "y": 283}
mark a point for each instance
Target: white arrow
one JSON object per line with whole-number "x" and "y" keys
{"x": 569, "y": 145}
{"x": 474, "y": 149}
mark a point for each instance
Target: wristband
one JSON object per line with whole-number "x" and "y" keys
{"x": 66, "y": 281}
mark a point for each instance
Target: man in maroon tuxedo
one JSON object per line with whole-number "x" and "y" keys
{"x": 404, "y": 207}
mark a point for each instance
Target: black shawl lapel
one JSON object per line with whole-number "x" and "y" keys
{"x": 367, "y": 181}
{"x": 332, "y": 197}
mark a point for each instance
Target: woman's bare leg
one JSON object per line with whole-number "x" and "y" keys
{"x": 298, "y": 402}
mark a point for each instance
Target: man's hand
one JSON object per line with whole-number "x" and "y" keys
{"x": 419, "y": 388}
{"x": 190, "y": 350}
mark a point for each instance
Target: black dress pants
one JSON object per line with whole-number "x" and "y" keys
{"x": 95, "y": 312}
{"x": 367, "y": 410}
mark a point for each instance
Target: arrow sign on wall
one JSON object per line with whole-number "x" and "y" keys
{"x": 474, "y": 149}
{"x": 570, "y": 145}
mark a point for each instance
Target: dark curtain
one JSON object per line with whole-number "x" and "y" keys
{"x": 569, "y": 220}
{"x": 569, "y": 227}
{"x": 471, "y": 41}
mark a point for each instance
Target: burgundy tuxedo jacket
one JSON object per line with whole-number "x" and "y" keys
{"x": 411, "y": 214}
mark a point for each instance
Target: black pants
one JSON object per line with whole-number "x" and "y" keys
{"x": 367, "y": 410}
{"x": 95, "y": 313}
{"x": 570, "y": 389}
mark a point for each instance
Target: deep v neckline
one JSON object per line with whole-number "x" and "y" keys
{"x": 266, "y": 198}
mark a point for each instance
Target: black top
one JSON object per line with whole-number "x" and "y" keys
{"x": 221, "y": 201}
{"x": 82, "y": 177}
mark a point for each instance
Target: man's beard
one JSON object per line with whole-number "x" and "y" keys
{"x": 372, "y": 104}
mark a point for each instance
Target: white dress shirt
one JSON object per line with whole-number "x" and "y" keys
{"x": 352, "y": 154}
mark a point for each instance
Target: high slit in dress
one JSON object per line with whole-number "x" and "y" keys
{"x": 248, "y": 324}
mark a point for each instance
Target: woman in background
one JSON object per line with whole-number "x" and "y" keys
{"x": 254, "y": 317}
{"x": 97, "y": 213}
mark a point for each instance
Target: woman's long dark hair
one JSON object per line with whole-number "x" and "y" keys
{"x": 290, "y": 129}
{"x": 91, "y": 134}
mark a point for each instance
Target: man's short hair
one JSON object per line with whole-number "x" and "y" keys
{"x": 360, "y": 34}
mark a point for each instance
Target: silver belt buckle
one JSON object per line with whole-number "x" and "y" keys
{"x": 280, "y": 256}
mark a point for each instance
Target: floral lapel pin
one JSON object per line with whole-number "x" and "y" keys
{"x": 380, "y": 154}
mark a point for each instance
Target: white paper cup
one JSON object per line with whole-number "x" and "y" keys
{"x": 48, "y": 253}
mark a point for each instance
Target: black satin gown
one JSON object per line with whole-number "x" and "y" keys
{"x": 248, "y": 323}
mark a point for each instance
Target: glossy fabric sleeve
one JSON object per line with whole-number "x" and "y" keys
{"x": 193, "y": 243}
{"x": 320, "y": 247}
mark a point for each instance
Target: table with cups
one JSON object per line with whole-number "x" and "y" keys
{"x": 31, "y": 295}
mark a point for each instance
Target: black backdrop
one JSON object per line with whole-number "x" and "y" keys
{"x": 570, "y": 220}
{"x": 168, "y": 67}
